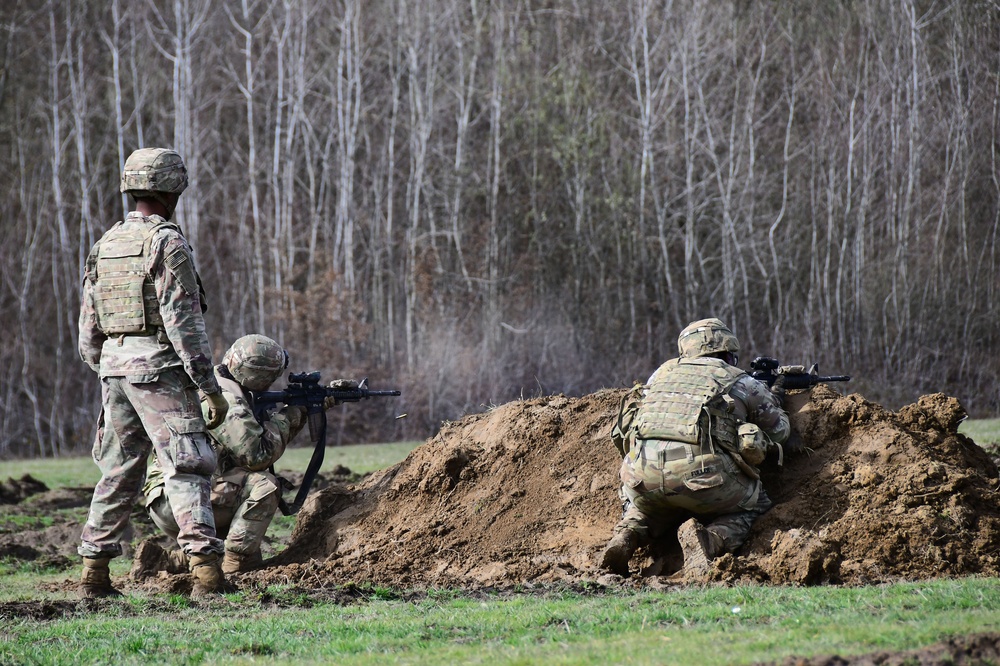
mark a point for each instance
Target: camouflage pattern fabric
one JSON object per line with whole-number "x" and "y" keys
{"x": 681, "y": 399}
{"x": 243, "y": 503}
{"x": 666, "y": 482}
{"x": 244, "y": 495}
{"x": 161, "y": 415}
{"x": 148, "y": 398}
{"x": 180, "y": 340}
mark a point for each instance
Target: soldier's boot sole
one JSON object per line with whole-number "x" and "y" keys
{"x": 150, "y": 559}
{"x": 696, "y": 544}
{"x": 208, "y": 577}
{"x": 238, "y": 562}
{"x": 618, "y": 552}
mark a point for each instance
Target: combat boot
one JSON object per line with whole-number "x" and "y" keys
{"x": 619, "y": 551}
{"x": 239, "y": 562}
{"x": 700, "y": 547}
{"x": 150, "y": 559}
{"x": 207, "y": 574}
{"x": 96, "y": 580}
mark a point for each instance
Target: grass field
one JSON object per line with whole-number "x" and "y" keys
{"x": 590, "y": 625}
{"x": 986, "y": 432}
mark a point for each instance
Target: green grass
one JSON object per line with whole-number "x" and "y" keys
{"x": 360, "y": 458}
{"x": 81, "y": 471}
{"x": 986, "y": 432}
{"x": 705, "y": 626}
{"x": 55, "y": 472}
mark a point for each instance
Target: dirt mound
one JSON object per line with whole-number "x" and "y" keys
{"x": 525, "y": 492}
{"x": 883, "y": 495}
{"x": 528, "y": 493}
{"x": 14, "y": 490}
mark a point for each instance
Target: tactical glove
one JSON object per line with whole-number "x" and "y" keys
{"x": 343, "y": 384}
{"x": 217, "y": 408}
{"x": 338, "y": 384}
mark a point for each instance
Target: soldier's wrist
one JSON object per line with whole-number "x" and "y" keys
{"x": 211, "y": 389}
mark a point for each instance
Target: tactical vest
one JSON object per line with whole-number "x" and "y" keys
{"x": 124, "y": 295}
{"x": 687, "y": 402}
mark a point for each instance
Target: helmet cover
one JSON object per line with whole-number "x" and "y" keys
{"x": 255, "y": 361}
{"x": 705, "y": 337}
{"x": 154, "y": 170}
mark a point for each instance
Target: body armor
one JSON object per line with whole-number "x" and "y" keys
{"x": 686, "y": 402}
{"x": 124, "y": 295}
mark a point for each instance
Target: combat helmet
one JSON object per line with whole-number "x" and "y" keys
{"x": 706, "y": 336}
{"x": 154, "y": 172}
{"x": 255, "y": 361}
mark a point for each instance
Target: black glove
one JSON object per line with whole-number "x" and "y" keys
{"x": 794, "y": 444}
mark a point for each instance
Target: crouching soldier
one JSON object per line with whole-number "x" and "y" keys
{"x": 244, "y": 494}
{"x": 700, "y": 429}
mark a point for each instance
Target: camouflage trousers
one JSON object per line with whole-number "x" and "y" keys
{"x": 666, "y": 483}
{"x": 244, "y": 503}
{"x": 162, "y": 414}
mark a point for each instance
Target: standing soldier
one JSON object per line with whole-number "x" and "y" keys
{"x": 701, "y": 428}
{"x": 142, "y": 331}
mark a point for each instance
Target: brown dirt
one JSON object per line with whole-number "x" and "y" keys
{"x": 527, "y": 493}
{"x": 48, "y": 545}
{"x": 14, "y": 490}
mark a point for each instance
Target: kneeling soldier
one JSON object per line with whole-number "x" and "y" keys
{"x": 701, "y": 428}
{"x": 244, "y": 494}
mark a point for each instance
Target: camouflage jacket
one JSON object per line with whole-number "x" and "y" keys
{"x": 182, "y": 341}
{"x": 753, "y": 403}
{"x": 242, "y": 441}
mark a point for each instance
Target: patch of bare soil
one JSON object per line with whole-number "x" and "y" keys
{"x": 975, "y": 650}
{"x": 34, "y": 528}
{"x": 527, "y": 493}
{"x": 14, "y": 490}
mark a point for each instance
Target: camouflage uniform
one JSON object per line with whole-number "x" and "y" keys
{"x": 244, "y": 494}
{"x": 699, "y": 430}
{"x": 666, "y": 481}
{"x": 141, "y": 329}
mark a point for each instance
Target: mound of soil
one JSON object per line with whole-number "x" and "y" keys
{"x": 42, "y": 534}
{"x": 14, "y": 490}
{"x": 527, "y": 493}
{"x": 883, "y": 495}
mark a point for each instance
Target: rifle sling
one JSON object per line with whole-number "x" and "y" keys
{"x": 312, "y": 469}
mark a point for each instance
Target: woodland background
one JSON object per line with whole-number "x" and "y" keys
{"x": 476, "y": 201}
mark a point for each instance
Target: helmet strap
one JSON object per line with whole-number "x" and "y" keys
{"x": 168, "y": 201}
